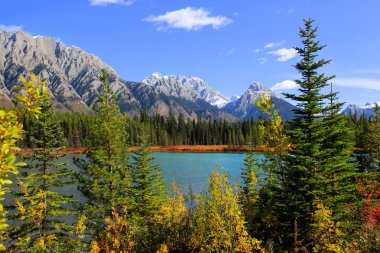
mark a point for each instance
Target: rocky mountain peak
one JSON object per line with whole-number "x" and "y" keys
{"x": 188, "y": 87}
{"x": 258, "y": 87}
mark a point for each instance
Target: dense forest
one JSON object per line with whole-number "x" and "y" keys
{"x": 321, "y": 192}
{"x": 159, "y": 130}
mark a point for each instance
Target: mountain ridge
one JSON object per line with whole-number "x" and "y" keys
{"x": 74, "y": 84}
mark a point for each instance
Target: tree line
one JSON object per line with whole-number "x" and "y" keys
{"x": 320, "y": 192}
{"x": 159, "y": 130}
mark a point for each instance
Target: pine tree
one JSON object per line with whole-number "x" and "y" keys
{"x": 373, "y": 144}
{"x": 41, "y": 209}
{"x": 338, "y": 185}
{"x": 148, "y": 187}
{"x": 149, "y": 194}
{"x": 104, "y": 178}
{"x": 318, "y": 159}
{"x": 249, "y": 176}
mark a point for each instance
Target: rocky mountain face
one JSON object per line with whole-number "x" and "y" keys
{"x": 367, "y": 110}
{"x": 73, "y": 76}
{"x": 243, "y": 107}
{"x": 187, "y": 87}
{"x": 74, "y": 84}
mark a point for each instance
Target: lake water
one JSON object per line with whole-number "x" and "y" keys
{"x": 184, "y": 168}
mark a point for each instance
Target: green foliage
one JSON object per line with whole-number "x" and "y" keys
{"x": 148, "y": 187}
{"x": 40, "y": 210}
{"x": 149, "y": 194}
{"x": 326, "y": 233}
{"x": 104, "y": 177}
{"x": 160, "y": 130}
{"x": 318, "y": 165}
{"x": 32, "y": 91}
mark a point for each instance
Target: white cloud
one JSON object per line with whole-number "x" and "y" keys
{"x": 290, "y": 11}
{"x": 228, "y": 51}
{"x": 284, "y": 85}
{"x": 262, "y": 60}
{"x": 10, "y": 28}
{"x": 284, "y": 54}
{"x": 188, "y": 19}
{"x": 365, "y": 83}
{"x": 274, "y": 44}
{"x": 106, "y": 2}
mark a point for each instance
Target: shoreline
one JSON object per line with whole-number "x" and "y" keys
{"x": 171, "y": 148}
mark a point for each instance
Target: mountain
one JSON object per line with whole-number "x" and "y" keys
{"x": 74, "y": 85}
{"x": 233, "y": 98}
{"x": 368, "y": 109}
{"x": 244, "y": 108}
{"x": 187, "y": 87}
{"x": 73, "y": 74}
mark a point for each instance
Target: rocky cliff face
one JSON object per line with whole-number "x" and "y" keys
{"x": 72, "y": 73}
{"x": 74, "y": 85}
{"x": 73, "y": 76}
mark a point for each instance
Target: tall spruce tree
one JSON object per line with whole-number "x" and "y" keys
{"x": 317, "y": 165}
{"x": 104, "y": 178}
{"x": 338, "y": 185}
{"x": 42, "y": 213}
{"x": 149, "y": 194}
{"x": 148, "y": 187}
{"x": 372, "y": 145}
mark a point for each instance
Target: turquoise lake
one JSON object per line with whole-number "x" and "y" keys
{"x": 184, "y": 168}
{"x": 193, "y": 168}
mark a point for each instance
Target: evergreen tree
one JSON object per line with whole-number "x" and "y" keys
{"x": 41, "y": 211}
{"x": 148, "y": 187}
{"x": 317, "y": 159}
{"x": 372, "y": 145}
{"x": 104, "y": 177}
{"x": 149, "y": 194}
{"x": 338, "y": 185}
{"x": 249, "y": 176}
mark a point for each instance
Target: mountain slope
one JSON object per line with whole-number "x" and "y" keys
{"x": 190, "y": 88}
{"x": 244, "y": 108}
{"x": 368, "y": 109}
{"x": 73, "y": 76}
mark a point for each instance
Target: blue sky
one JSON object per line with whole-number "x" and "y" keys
{"x": 228, "y": 43}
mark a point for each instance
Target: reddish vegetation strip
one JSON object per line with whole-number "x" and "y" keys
{"x": 179, "y": 148}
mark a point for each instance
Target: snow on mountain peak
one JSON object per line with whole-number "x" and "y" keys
{"x": 187, "y": 87}
{"x": 234, "y": 98}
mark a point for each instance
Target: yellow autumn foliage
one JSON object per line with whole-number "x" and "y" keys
{"x": 31, "y": 92}
{"x": 219, "y": 224}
